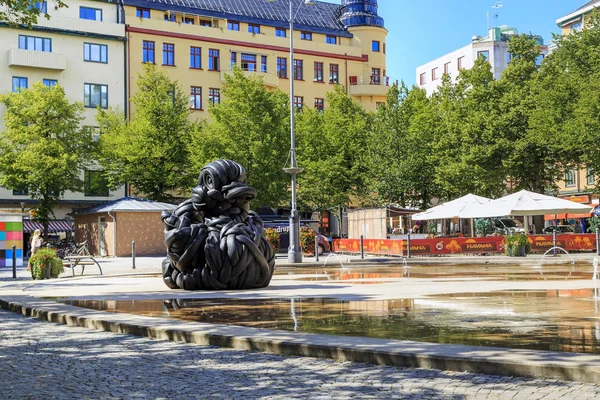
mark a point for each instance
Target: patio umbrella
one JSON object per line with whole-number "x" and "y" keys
{"x": 451, "y": 209}
{"x": 525, "y": 203}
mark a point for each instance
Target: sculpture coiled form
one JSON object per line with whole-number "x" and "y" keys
{"x": 214, "y": 241}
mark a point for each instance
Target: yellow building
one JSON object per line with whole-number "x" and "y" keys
{"x": 578, "y": 184}
{"x": 82, "y": 48}
{"x": 197, "y": 43}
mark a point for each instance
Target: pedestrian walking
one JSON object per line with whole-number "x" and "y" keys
{"x": 36, "y": 243}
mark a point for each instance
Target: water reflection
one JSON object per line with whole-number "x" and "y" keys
{"x": 559, "y": 320}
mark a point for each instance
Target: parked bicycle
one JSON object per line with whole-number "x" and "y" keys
{"x": 73, "y": 249}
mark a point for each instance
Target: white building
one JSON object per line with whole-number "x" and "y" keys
{"x": 82, "y": 47}
{"x": 493, "y": 47}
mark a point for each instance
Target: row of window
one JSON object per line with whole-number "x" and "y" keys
{"x": 94, "y": 94}
{"x": 89, "y": 13}
{"x": 252, "y": 28}
{"x": 571, "y": 180}
{"x": 95, "y": 184}
{"x": 214, "y": 97}
{"x": 92, "y": 52}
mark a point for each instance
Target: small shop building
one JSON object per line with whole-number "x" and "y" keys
{"x": 110, "y": 228}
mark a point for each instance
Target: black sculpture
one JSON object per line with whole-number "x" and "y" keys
{"x": 214, "y": 241}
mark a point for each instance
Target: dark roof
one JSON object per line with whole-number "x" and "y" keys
{"x": 131, "y": 204}
{"x": 321, "y": 17}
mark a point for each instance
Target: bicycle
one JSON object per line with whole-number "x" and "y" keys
{"x": 79, "y": 249}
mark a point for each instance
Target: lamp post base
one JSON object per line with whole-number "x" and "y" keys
{"x": 294, "y": 257}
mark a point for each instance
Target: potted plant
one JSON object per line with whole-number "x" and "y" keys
{"x": 307, "y": 240}
{"x": 431, "y": 228}
{"x": 273, "y": 237}
{"x": 482, "y": 227}
{"x": 46, "y": 264}
{"x": 516, "y": 245}
{"x": 594, "y": 224}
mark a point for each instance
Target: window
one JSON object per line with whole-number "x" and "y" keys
{"x": 214, "y": 96}
{"x": 591, "y": 177}
{"x": 263, "y": 64}
{"x": 195, "y": 57}
{"x": 379, "y": 104}
{"x": 353, "y": 80}
{"x": 95, "y": 184}
{"x": 539, "y": 59}
{"x": 50, "y": 82}
{"x": 319, "y": 104}
{"x": 422, "y": 79}
{"x": 35, "y": 43}
{"x": 253, "y": 28}
{"x": 460, "y": 63}
{"x": 142, "y": 12}
{"x": 384, "y": 48}
{"x": 170, "y": 17}
{"x": 168, "y": 54}
{"x": 95, "y": 52}
{"x": 188, "y": 20}
{"x": 447, "y": 68}
{"x": 148, "y": 52}
{"x": 305, "y": 35}
{"x": 375, "y": 76}
{"x": 95, "y": 95}
{"x": 95, "y": 133}
{"x": 21, "y": 192}
{"x": 41, "y": 6}
{"x": 485, "y": 54}
{"x": 298, "y": 70}
{"x": 508, "y": 56}
{"x": 204, "y": 22}
{"x": 213, "y": 60}
{"x": 334, "y": 71}
{"x": 18, "y": 83}
{"x": 233, "y": 26}
{"x": 282, "y": 67}
{"x": 576, "y": 26}
{"x": 329, "y": 39}
{"x": 375, "y": 46}
{"x": 196, "y": 98}
{"x": 94, "y": 14}
{"x": 279, "y": 32}
{"x": 570, "y": 177}
{"x": 318, "y": 72}
{"x": 233, "y": 61}
{"x": 435, "y": 74}
{"x": 248, "y": 62}
{"x": 298, "y": 102}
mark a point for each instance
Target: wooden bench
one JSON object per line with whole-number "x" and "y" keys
{"x": 74, "y": 261}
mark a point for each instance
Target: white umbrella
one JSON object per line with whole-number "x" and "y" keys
{"x": 451, "y": 209}
{"x": 525, "y": 203}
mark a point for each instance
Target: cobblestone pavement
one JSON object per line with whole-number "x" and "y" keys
{"x": 41, "y": 360}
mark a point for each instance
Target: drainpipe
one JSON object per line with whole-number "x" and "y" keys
{"x": 114, "y": 233}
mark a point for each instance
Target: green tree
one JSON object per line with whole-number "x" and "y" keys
{"x": 44, "y": 148}
{"x": 151, "y": 151}
{"x": 331, "y": 149}
{"x": 19, "y": 12}
{"x": 251, "y": 127}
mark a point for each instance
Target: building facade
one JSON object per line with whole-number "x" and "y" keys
{"x": 575, "y": 20}
{"x": 493, "y": 47}
{"x": 82, "y": 48}
{"x": 198, "y": 43}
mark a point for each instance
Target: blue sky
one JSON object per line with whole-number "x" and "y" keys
{"x": 423, "y": 30}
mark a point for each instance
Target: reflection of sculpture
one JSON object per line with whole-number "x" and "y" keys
{"x": 213, "y": 240}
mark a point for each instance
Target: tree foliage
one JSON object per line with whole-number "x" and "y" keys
{"x": 251, "y": 127}
{"x": 43, "y": 148}
{"x": 20, "y": 12}
{"x": 151, "y": 151}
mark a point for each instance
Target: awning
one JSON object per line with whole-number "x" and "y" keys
{"x": 570, "y": 216}
{"x": 53, "y": 226}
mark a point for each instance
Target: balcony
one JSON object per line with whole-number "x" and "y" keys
{"x": 371, "y": 85}
{"x": 36, "y": 59}
{"x": 270, "y": 80}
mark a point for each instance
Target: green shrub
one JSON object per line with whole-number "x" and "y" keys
{"x": 594, "y": 223}
{"x": 45, "y": 258}
{"x": 483, "y": 227}
{"x": 273, "y": 237}
{"x": 307, "y": 240}
{"x": 514, "y": 242}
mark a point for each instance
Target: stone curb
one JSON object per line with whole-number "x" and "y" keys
{"x": 484, "y": 360}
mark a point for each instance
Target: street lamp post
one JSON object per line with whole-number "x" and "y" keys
{"x": 294, "y": 250}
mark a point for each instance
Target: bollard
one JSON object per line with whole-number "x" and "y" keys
{"x": 133, "y": 254}
{"x": 408, "y": 246}
{"x": 598, "y": 241}
{"x": 554, "y": 241}
{"x": 317, "y": 248}
{"x": 362, "y": 247}
{"x": 14, "y": 260}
